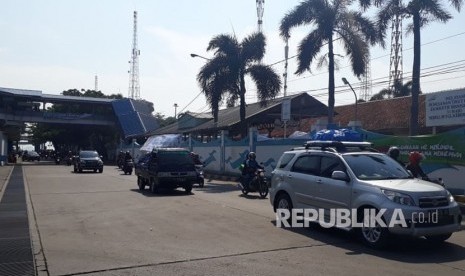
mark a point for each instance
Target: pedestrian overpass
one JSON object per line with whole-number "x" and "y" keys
{"x": 20, "y": 106}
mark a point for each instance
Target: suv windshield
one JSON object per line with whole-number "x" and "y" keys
{"x": 375, "y": 166}
{"x": 88, "y": 154}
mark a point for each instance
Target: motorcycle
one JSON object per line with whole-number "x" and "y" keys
{"x": 257, "y": 184}
{"x": 69, "y": 161}
{"x": 128, "y": 166}
{"x": 200, "y": 176}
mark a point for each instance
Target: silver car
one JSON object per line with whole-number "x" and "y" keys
{"x": 327, "y": 177}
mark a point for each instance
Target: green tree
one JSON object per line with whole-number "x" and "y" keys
{"x": 163, "y": 120}
{"x": 422, "y": 12}
{"x": 331, "y": 21}
{"x": 223, "y": 76}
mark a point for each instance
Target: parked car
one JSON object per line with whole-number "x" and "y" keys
{"x": 31, "y": 156}
{"x": 327, "y": 175}
{"x": 88, "y": 160}
{"x": 168, "y": 168}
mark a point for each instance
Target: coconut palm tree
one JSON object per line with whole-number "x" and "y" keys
{"x": 331, "y": 20}
{"x": 215, "y": 86}
{"x": 398, "y": 90}
{"x": 223, "y": 76}
{"x": 421, "y": 12}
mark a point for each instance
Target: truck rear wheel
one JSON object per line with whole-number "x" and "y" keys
{"x": 153, "y": 186}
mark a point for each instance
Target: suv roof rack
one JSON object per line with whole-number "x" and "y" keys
{"x": 339, "y": 146}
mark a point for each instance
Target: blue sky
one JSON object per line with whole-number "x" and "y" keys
{"x": 55, "y": 45}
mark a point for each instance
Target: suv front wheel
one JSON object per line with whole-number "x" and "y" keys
{"x": 375, "y": 236}
{"x": 283, "y": 201}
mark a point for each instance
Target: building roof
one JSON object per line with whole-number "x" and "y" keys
{"x": 302, "y": 106}
{"x": 388, "y": 116}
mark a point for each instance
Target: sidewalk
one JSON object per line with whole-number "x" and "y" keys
{"x": 4, "y": 173}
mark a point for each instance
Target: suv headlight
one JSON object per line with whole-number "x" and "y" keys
{"x": 450, "y": 197}
{"x": 100, "y": 162}
{"x": 399, "y": 198}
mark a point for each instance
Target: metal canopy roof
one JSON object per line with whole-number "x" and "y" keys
{"x": 37, "y": 95}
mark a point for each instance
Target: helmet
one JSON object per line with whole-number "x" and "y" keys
{"x": 393, "y": 152}
{"x": 415, "y": 157}
{"x": 252, "y": 155}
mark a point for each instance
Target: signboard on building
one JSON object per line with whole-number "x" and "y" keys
{"x": 445, "y": 108}
{"x": 286, "y": 110}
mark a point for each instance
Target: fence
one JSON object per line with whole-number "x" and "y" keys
{"x": 445, "y": 152}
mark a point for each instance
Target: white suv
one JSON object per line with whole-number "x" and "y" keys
{"x": 327, "y": 176}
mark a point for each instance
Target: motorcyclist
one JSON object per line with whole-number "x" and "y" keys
{"x": 120, "y": 158}
{"x": 69, "y": 158}
{"x": 414, "y": 167}
{"x": 196, "y": 158}
{"x": 394, "y": 153}
{"x": 127, "y": 156}
{"x": 251, "y": 166}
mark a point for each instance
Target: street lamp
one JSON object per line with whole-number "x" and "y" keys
{"x": 355, "y": 94}
{"x": 195, "y": 55}
{"x": 175, "y": 108}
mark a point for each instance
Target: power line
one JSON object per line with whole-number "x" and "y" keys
{"x": 280, "y": 61}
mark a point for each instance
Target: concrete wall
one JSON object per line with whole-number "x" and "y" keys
{"x": 224, "y": 156}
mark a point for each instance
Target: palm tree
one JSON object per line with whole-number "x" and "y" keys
{"x": 331, "y": 21}
{"x": 422, "y": 12}
{"x": 398, "y": 90}
{"x": 223, "y": 76}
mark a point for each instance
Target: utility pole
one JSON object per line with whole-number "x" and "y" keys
{"x": 96, "y": 83}
{"x": 175, "y": 110}
{"x": 134, "y": 88}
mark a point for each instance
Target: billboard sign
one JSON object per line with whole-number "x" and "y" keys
{"x": 445, "y": 108}
{"x": 286, "y": 110}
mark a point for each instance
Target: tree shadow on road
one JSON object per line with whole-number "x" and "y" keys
{"x": 162, "y": 193}
{"x": 253, "y": 196}
{"x": 401, "y": 248}
{"x": 215, "y": 188}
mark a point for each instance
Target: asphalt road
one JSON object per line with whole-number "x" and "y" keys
{"x": 101, "y": 224}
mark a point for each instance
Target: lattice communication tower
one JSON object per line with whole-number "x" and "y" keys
{"x": 134, "y": 87}
{"x": 395, "y": 65}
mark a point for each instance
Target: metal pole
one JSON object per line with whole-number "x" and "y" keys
{"x": 355, "y": 94}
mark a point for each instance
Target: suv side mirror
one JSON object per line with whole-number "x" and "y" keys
{"x": 410, "y": 173}
{"x": 340, "y": 175}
